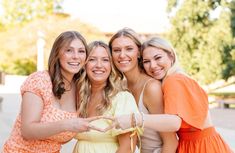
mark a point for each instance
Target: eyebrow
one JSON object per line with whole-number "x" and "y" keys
{"x": 98, "y": 57}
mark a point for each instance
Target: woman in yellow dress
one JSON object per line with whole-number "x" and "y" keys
{"x": 101, "y": 94}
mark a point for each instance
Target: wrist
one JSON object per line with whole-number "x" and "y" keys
{"x": 140, "y": 120}
{"x": 64, "y": 126}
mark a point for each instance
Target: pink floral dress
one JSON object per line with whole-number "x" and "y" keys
{"x": 40, "y": 84}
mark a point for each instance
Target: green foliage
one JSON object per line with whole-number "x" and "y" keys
{"x": 19, "y": 28}
{"x": 19, "y": 42}
{"x": 21, "y": 66}
{"x": 229, "y": 50}
{"x": 200, "y": 40}
{"x": 21, "y": 11}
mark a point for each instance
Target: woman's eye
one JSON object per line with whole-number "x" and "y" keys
{"x": 68, "y": 50}
{"x": 145, "y": 62}
{"x": 81, "y": 51}
{"x": 157, "y": 58}
{"x": 129, "y": 49}
{"x": 106, "y": 60}
{"x": 91, "y": 59}
{"x": 116, "y": 50}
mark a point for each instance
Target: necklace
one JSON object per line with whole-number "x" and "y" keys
{"x": 67, "y": 86}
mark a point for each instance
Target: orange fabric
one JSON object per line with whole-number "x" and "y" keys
{"x": 39, "y": 83}
{"x": 184, "y": 97}
{"x": 202, "y": 141}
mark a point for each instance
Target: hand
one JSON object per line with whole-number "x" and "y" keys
{"x": 82, "y": 124}
{"x": 124, "y": 121}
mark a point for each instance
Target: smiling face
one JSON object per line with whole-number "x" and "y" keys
{"x": 72, "y": 58}
{"x": 156, "y": 62}
{"x": 125, "y": 54}
{"x": 98, "y": 66}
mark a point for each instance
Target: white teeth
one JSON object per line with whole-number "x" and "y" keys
{"x": 73, "y": 63}
{"x": 98, "y": 72}
{"x": 124, "y": 62}
{"x": 156, "y": 72}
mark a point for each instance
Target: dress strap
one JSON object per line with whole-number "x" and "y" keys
{"x": 142, "y": 92}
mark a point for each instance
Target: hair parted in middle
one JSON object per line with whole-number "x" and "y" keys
{"x": 54, "y": 68}
{"x": 130, "y": 33}
{"x": 113, "y": 84}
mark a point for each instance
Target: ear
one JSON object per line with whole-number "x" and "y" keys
{"x": 172, "y": 58}
{"x": 138, "y": 55}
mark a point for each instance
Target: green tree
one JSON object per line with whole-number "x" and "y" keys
{"x": 21, "y": 11}
{"x": 229, "y": 50}
{"x": 199, "y": 38}
{"x": 19, "y": 42}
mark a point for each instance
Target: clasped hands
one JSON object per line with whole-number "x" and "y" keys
{"x": 120, "y": 122}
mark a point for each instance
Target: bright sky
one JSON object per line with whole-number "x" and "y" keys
{"x": 111, "y": 15}
{"x": 148, "y": 16}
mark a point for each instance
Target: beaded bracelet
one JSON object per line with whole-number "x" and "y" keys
{"x": 136, "y": 121}
{"x": 133, "y": 120}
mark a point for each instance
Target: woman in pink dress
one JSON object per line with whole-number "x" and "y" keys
{"x": 48, "y": 116}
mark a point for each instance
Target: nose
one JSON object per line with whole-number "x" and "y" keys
{"x": 152, "y": 64}
{"x": 75, "y": 54}
{"x": 99, "y": 63}
{"x": 122, "y": 54}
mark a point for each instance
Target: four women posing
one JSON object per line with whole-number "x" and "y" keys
{"x": 68, "y": 100}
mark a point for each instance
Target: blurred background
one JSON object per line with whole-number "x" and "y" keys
{"x": 202, "y": 31}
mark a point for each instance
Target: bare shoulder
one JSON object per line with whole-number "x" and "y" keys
{"x": 153, "y": 97}
{"x": 153, "y": 86}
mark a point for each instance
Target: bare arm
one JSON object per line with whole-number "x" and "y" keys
{"x": 32, "y": 128}
{"x": 153, "y": 99}
{"x": 161, "y": 122}
{"x": 125, "y": 143}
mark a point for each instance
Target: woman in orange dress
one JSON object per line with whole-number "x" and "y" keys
{"x": 48, "y": 116}
{"x": 184, "y": 99}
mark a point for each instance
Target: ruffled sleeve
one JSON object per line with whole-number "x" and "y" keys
{"x": 185, "y": 98}
{"x": 124, "y": 103}
{"x": 37, "y": 83}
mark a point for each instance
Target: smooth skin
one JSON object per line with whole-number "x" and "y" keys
{"x": 98, "y": 70}
{"x": 71, "y": 60}
{"x": 125, "y": 56}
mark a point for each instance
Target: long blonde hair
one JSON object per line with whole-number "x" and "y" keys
{"x": 163, "y": 44}
{"x": 110, "y": 90}
{"x": 129, "y": 33}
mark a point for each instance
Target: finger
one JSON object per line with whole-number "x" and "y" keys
{"x": 114, "y": 125}
{"x": 95, "y": 128}
{"x": 92, "y": 118}
{"x": 109, "y": 118}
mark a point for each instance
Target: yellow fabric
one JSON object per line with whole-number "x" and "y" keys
{"x": 99, "y": 142}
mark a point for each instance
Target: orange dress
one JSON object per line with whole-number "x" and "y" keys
{"x": 39, "y": 83}
{"x": 185, "y": 98}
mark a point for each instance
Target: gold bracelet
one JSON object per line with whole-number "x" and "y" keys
{"x": 135, "y": 120}
{"x": 132, "y": 119}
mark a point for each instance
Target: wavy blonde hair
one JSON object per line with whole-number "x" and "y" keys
{"x": 113, "y": 85}
{"x": 163, "y": 44}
